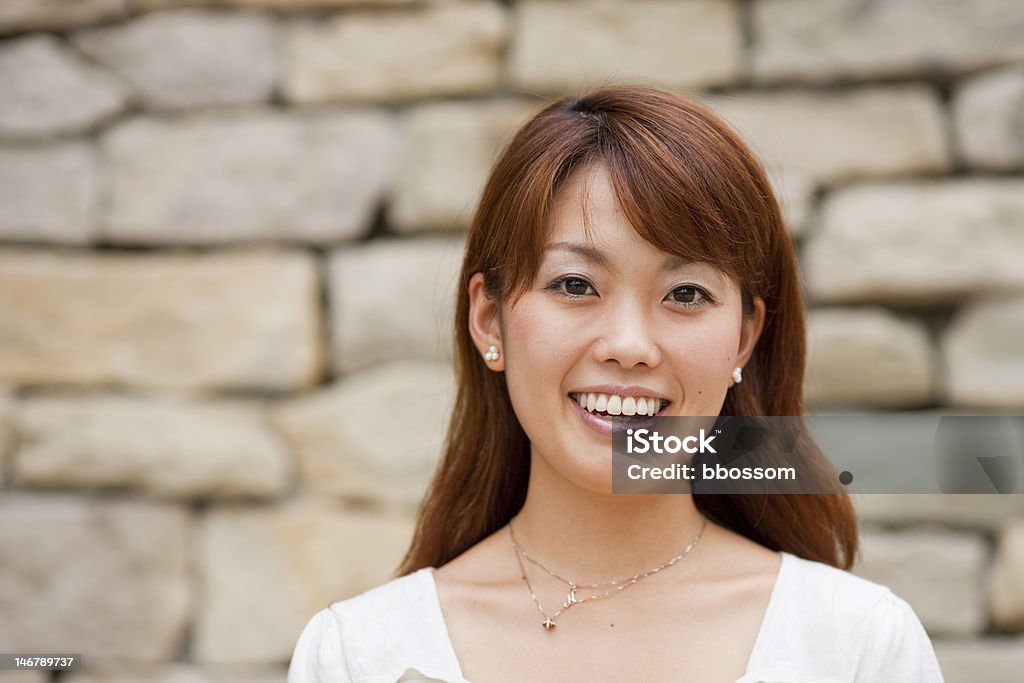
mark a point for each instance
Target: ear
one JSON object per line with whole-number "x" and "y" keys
{"x": 750, "y": 332}
{"x": 485, "y": 322}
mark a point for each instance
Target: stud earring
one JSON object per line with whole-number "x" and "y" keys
{"x": 492, "y": 353}
{"x": 737, "y": 375}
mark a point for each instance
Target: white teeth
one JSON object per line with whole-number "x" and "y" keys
{"x": 618, "y": 405}
{"x": 614, "y": 405}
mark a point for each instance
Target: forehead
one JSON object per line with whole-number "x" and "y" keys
{"x": 588, "y": 224}
{"x": 586, "y": 211}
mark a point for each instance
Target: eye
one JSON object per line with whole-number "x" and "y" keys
{"x": 571, "y": 286}
{"x": 689, "y": 296}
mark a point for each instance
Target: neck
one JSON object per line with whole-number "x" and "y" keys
{"x": 594, "y": 537}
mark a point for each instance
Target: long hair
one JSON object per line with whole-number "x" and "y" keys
{"x": 689, "y": 186}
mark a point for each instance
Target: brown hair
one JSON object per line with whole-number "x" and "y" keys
{"x": 690, "y": 187}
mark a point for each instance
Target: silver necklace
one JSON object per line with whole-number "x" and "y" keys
{"x": 615, "y": 586}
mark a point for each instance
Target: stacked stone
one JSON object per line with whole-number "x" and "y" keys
{"x": 230, "y": 232}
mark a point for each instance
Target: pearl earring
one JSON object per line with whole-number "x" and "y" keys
{"x": 737, "y": 375}
{"x": 492, "y": 353}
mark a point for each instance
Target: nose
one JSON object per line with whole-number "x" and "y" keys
{"x": 627, "y": 336}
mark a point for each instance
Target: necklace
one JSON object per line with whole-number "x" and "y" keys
{"x": 615, "y": 586}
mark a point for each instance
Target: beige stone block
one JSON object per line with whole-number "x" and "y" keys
{"x": 1006, "y": 590}
{"x": 160, "y": 446}
{"x": 241, "y": 319}
{"x": 838, "y": 137}
{"x": 289, "y": 562}
{"x": 376, "y": 434}
{"x": 823, "y": 40}
{"x": 48, "y": 90}
{"x": 938, "y": 572}
{"x": 564, "y": 47}
{"x": 107, "y": 579}
{"x": 180, "y": 673}
{"x": 867, "y": 356}
{"x": 190, "y": 57}
{"x": 212, "y": 179}
{"x": 20, "y": 15}
{"x": 992, "y": 660}
{"x": 49, "y": 192}
{"x": 982, "y": 350}
{"x": 918, "y": 242}
{"x": 980, "y": 511}
{"x": 447, "y": 153}
{"x": 24, "y": 677}
{"x": 447, "y": 48}
{"x": 989, "y": 115}
{"x": 393, "y": 299}
{"x": 6, "y": 435}
{"x": 795, "y": 192}
{"x": 282, "y": 5}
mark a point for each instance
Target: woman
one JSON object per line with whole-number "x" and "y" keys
{"x": 627, "y": 257}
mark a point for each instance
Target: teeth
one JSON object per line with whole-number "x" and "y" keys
{"x": 618, "y": 405}
{"x": 629, "y": 406}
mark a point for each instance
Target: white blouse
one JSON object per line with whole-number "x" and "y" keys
{"x": 822, "y": 625}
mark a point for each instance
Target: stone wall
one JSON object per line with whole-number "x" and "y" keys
{"x": 229, "y": 231}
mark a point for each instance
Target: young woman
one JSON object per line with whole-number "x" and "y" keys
{"x": 627, "y": 258}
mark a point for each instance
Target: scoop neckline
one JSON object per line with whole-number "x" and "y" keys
{"x": 786, "y": 559}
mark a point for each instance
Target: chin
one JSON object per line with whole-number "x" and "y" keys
{"x": 589, "y": 469}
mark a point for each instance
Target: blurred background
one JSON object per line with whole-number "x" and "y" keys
{"x": 229, "y": 232}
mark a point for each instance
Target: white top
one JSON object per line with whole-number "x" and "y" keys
{"x": 822, "y": 625}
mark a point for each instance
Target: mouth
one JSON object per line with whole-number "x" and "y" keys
{"x": 628, "y": 409}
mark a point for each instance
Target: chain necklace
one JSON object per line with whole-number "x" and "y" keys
{"x": 615, "y": 586}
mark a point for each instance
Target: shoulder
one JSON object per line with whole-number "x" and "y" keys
{"x": 818, "y": 608}
{"x": 320, "y": 652}
{"x": 829, "y": 623}
{"x": 836, "y": 594}
{"x": 838, "y": 605}
{"x": 895, "y": 646}
{"x": 361, "y": 637}
{"x": 383, "y": 605}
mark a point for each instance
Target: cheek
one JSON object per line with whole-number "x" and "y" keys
{"x": 704, "y": 358}
{"x": 713, "y": 345}
{"x": 540, "y": 351}
{"x": 538, "y": 343}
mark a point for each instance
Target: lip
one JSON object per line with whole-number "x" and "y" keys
{"x": 605, "y": 428}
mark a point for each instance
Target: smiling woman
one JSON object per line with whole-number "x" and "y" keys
{"x": 607, "y": 305}
{"x": 627, "y": 259}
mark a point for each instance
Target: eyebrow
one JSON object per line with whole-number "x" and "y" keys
{"x": 598, "y": 257}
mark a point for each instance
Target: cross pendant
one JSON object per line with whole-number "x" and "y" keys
{"x": 548, "y": 624}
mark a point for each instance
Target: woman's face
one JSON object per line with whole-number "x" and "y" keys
{"x": 613, "y": 323}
